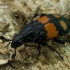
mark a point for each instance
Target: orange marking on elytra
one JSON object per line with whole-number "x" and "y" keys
{"x": 56, "y": 15}
{"x": 43, "y": 19}
{"x": 63, "y": 24}
{"x": 51, "y": 31}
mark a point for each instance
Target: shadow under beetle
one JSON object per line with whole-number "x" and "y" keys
{"x": 47, "y": 26}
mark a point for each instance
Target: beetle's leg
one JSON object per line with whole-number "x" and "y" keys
{"x": 36, "y": 14}
{"x": 14, "y": 54}
{"x": 59, "y": 41}
{"x": 4, "y": 39}
{"x": 39, "y": 48}
{"x": 45, "y": 44}
{"x": 55, "y": 51}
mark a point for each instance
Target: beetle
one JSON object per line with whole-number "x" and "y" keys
{"x": 46, "y": 27}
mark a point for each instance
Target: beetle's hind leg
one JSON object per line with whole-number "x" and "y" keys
{"x": 59, "y": 41}
{"x": 39, "y": 48}
{"x": 45, "y": 44}
{"x": 55, "y": 51}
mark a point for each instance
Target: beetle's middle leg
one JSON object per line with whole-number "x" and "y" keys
{"x": 39, "y": 48}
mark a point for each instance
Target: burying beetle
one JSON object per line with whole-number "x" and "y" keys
{"x": 47, "y": 26}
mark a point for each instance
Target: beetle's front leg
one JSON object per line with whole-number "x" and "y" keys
{"x": 13, "y": 56}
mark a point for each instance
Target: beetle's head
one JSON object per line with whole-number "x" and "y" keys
{"x": 17, "y": 41}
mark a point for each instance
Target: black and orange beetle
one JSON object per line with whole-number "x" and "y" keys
{"x": 47, "y": 26}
